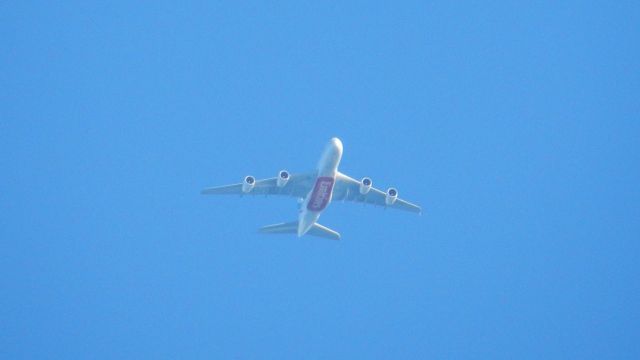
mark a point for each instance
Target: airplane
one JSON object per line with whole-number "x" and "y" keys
{"x": 314, "y": 192}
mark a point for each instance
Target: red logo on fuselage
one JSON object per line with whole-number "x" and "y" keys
{"x": 321, "y": 194}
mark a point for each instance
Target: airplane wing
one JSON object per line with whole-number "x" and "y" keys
{"x": 298, "y": 186}
{"x": 348, "y": 189}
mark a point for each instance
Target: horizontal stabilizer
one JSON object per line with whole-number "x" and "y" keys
{"x": 283, "y": 228}
{"x": 292, "y": 228}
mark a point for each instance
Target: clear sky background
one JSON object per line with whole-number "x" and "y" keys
{"x": 515, "y": 126}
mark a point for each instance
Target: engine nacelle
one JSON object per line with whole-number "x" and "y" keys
{"x": 283, "y": 178}
{"x": 248, "y": 184}
{"x": 392, "y": 196}
{"x": 365, "y": 185}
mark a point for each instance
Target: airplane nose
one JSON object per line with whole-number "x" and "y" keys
{"x": 337, "y": 143}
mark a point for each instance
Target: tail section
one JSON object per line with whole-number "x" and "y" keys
{"x": 323, "y": 231}
{"x": 292, "y": 228}
{"x": 283, "y": 228}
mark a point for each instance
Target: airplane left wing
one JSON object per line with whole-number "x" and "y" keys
{"x": 298, "y": 186}
{"x": 347, "y": 188}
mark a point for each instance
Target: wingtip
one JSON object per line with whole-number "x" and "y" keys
{"x": 205, "y": 191}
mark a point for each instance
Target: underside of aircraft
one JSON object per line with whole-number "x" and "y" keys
{"x": 314, "y": 191}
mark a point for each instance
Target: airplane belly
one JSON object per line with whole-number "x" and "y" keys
{"x": 321, "y": 194}
{"x": 306, "y": 221}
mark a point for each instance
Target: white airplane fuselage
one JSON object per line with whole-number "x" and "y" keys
{"x": 320, "y": 195}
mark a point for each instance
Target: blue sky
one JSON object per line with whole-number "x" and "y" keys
{"x": 515, "y": 126}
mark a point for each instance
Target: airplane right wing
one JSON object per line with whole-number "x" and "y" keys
{"x": 297, "y": 186}
{"x": 347, "y": 188}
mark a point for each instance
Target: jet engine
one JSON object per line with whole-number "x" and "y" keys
{"x": 365, "y": 185}
{"x": 248, "y": 184}
{"x": 283, "y": 178}
{"x": 392, "y": 195}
